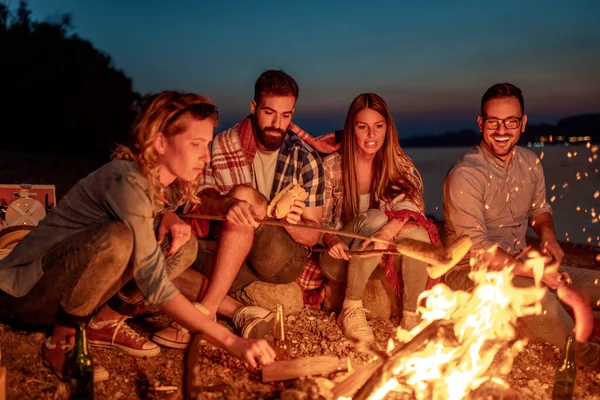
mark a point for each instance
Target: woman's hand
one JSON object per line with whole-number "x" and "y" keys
{"x": 254, "y": 352}
{"x": 180, "y": 231}
{"x": 338, "y": 248}
{"x": 383, "y": 234}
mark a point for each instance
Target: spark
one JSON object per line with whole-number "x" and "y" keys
{"x": 565, "y": 185}
{"x": 487, "y": 207}
{"x": 578, "y": 208}
{"x": 578, "y": 176}
{"x": 516, "y": 188}
{"x": 590, "y": 159}
{"x": 589, "y": 239}
{"x": 575, "y": 154}
{"x": 586, "y": 174}
{"x": 583, "y": 230}
{"x": 595, "y": 220}
{"x": 597, "y": 194}
{"x": 553, "y": 187}
{"x": 569, "y": 155}
{"x": 552, "y": 199}
{"x": 594, "y": 148}
{"x": 532, "y": 223}
{"x": 587, "y": 145}
{"x": 542, "y": 155}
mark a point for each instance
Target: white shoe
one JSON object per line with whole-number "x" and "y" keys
{"x": 353, "y": 323}
{"x": 409, "y": 320}
{"x": 175, "y": 335}
{"x": 253, "y": 322}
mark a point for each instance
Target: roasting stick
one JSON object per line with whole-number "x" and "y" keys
{"x": 416, "y": 249}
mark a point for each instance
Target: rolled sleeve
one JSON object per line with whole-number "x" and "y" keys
{"x": 130, "y": 203}
{"x": 539, "y": 205}
{"x": 313, "y": 180}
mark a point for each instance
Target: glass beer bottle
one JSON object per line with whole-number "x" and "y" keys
{"x": 82, "y": 367}
{"x": 564, "y": 378}
{"x": 280, "y": 345}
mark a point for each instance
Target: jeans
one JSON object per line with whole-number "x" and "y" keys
{"x": 84, "y": 272}
{"x": 358, "y": 270}
{"x": 274, "y": 257}
{"x": 555, "y": 324}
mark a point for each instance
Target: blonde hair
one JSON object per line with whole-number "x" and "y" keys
{"x": 162, "y": 112}
{"x": 394, "y": 173}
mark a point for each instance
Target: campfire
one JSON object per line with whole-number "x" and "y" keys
{"x": 465, "y": 339}
{"x": 463, "y": 348}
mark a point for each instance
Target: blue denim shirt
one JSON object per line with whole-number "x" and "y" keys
{"x": 117, "y": 191}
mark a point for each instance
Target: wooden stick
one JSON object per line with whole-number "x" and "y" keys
{"x": 359, "y": 253}
{"x": 304, "y": 366}
{"x": 191, "y": 359}
{"x": 416, "y": 249}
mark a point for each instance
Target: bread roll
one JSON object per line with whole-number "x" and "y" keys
{"x": 284, "y": 200}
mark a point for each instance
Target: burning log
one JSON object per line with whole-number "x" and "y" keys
{"x": 368, "y": 379}
{"x": 304, "y": 366}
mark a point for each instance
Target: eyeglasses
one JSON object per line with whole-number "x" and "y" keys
{"x": 199, "y": 111}
{"x": 509, "y": 123}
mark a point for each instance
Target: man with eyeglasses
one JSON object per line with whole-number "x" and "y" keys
{"x": 492, "y": 194}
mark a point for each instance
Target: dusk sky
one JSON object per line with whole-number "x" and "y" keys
{"x": 430, "y": 60}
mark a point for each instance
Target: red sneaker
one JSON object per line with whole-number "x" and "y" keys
{"x": 54, "y": 356}
{"x": 117, "y": 334}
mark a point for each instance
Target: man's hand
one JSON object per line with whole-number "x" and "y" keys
{"x": 552, "y": 248}
{"x": 296, "y": 211}
{"x": 338, "y": 248}
{"x": 241, "y": 212}
{"x": 254, "y": 352}
{"x": 180, "y": 231}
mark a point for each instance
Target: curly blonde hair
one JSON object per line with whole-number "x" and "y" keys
{"x": 394, "y": 172}
{"x": 162, "y": 112}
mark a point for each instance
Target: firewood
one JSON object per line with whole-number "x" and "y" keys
{"x": 437, "y": 329}
{"x": 354, "y": 381}
{"x": 304, "y": 366}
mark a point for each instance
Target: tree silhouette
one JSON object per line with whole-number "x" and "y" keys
{"x": 59, "y": 93}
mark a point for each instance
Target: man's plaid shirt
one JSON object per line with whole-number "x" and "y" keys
{"x": 232, "y": 155}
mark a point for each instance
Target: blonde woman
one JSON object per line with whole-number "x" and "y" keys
{"x": 98, "y": 248}
{"x": 373, "y": 188}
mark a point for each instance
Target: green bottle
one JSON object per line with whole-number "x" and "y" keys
{"x": 564, "y": 378}
{"x": 82, "y": 367}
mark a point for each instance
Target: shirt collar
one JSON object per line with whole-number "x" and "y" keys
{"x": 495, "y": 161}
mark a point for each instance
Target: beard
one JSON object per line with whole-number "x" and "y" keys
{"x": 271, "y": 138}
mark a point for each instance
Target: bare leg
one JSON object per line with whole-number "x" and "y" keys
{"x": 233, "y": 247}
{"x": 193, "y": 285}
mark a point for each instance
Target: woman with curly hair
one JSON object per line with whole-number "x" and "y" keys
{"x": 372, "y": 188}
{"x": 97, "y": 252}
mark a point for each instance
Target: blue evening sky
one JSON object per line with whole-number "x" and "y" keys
{"x": 431, "y": 60}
